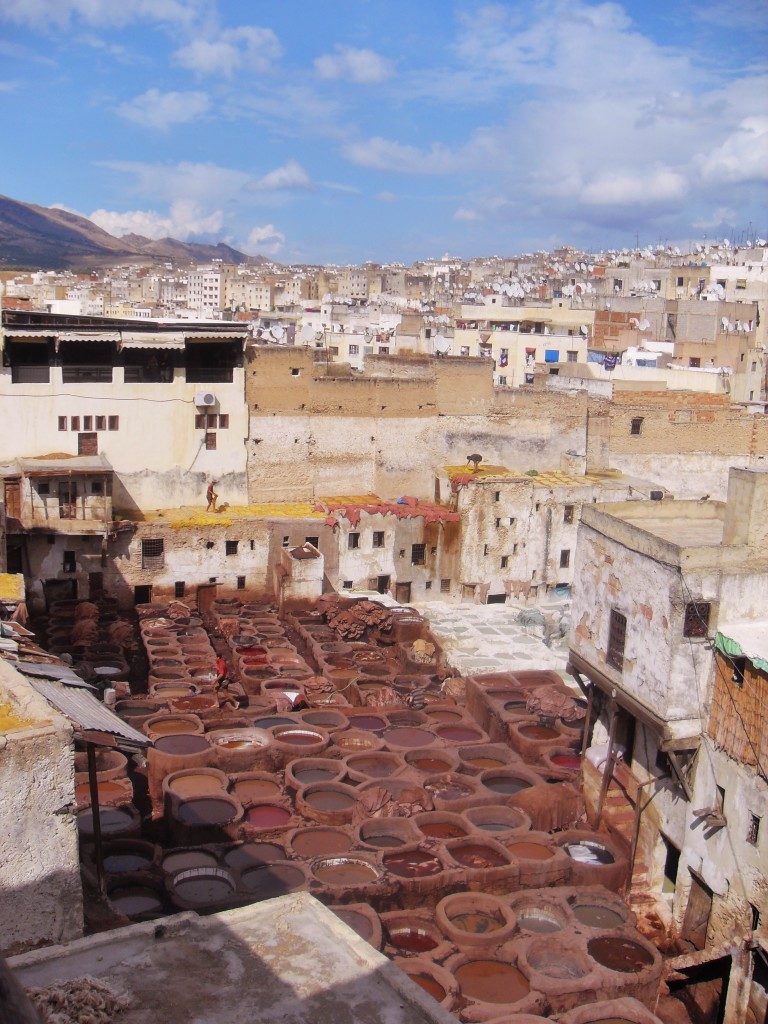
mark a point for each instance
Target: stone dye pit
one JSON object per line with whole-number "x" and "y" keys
{"x": 439, "y": 818}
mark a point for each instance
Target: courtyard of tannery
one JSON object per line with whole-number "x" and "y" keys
{"x": 332, "y": 750}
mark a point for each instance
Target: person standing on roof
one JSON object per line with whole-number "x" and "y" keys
{"x": 211, "y": 495}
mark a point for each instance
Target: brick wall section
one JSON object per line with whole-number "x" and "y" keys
{"x": 609, "y": 325}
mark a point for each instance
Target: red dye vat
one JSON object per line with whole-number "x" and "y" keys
{"x": 458, "y": 733}
{"x": 371, "y": 723}
{"x": 415, "y": 864}
{"x": 267, "y": 816}
{"x": 538, "y": 732}
{"x": 442, "y": 830}
{"x": 571, "y": 761}
{"x": 409, "y": 736}
{"x": 412, "y": 940}
{"x": 491, "y": 981}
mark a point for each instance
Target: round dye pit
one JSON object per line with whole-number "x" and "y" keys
{"x": 267, "y": 816}
{"x": 271, "y": 880}
{"x": 121, "y": 861}
{"x": 571, "y": 762}
{"x": 558, "y": 963}
{"x": 203, "y": 887}
{"x": 251, "y": 855}
{"x": 483, "y": 763}
{"x": 505, "y": 785}
{"x": 540, "y": 920}
{"x": 113, "y": 820}
{"x": 298, "y": 737}
{"x": 491, "y": 981}
{"x": 478, "y": 922}
{"x": 412, "y": 864}
{"x": 185, "y": 860}
{"x": 251, "y": 790}
{"x": 441, "y": 830}
{"x": 542, "y": 733}
{"x": 408, "y": 736}
{"x": 619, "y": 954}
{"x": 358, "y": 922}
{"x": 320, "y": 842}
{"x": 589, "y": 853}
{"x": 136, "y": 901}
{"x": 305, "y": 776}
{"x": 459, "y": 734}
{"x": 411, "y": 939}
{"x": 477, "y": 855}
{"x": 182, "y": 744}
{"x": 375, "y": 766}
{"x": 593, "y": 915}
{"x": 345, "y": 871}
{"x": 430, "y": 985}
{"x": 448, "y": 788}
{"x": 369, "y": 723}
{"x": 206, "y": 812}
{"x": 271, "y": 720}
{"x": 431, "y": 765}
{"x": 329, "y": 800}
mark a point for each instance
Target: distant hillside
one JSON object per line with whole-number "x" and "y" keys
{"x": 43, "y": 238}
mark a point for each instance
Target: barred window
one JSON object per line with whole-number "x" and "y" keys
{"x": 617, "y": 638}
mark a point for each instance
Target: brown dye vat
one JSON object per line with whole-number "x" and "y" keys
{"x": 441, "y": 825}
{"x": 433, "y": 979}
{"x": 430, "y": 986}
{"x": 265, "y": 815}
{"x": 445, "y": 716}
{"x": 111, "y": 792}
{"x": 539, "y": 918}
{"x": 477, "y": 855}
{"x": 172, "y": 691}
{"x": 571, "y": 762}
{"x": 408, "y": 717}
{"x": 429, "y": 764}
{"x": 329, "y": 720}
{"x": 137, "y": 902}
{"x": 352, "y": 741}
{"x": 272, "y": 720}
{"x": 345, "y": 870}
{"x": 529, "y": 851}
{"x": 538, "y": 732}
{"x": 128, "y": 856}
{"x": 251, "y": 855}
{"x": 184, "y": 860}
{"x": 406, "y": 737}
{"x": 498, "y": 819}
{"x": 206, "y": 812}
{"x": 194, "y": 703}
{"x": 180, "y": 744}
{"x": 451, "y": 790}
{"x": 408, "y": 935}
{"x": 306, "y": 770}
{"x": 378, "y": 765}
{"x": 320, "y": 842}
{"x": 294, "y": 736}
{"x": 328, "y": 802}
{"x": 619, "y": 954}
{"x": 202, "y": 888}
{"x": 369, "y": 723}
{"x": 503, "y": 782}
{"x": 387, "y": 833}
{"x": 491, "y": 981}
{"x": 412, "y": 864}
{"x": 459, "y": 734}
{"x": 475, "y": 920}
{"x": 171, "y": 725}
{"x": 271, "y": 880}
{"x": 110, "y": 764}
{"x": 362, "y": 920}
{"x": 594, "y": 915}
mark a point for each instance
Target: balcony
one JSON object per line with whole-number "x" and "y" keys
{"x": 209, "y": 374}
{"x": 93, "y": 374}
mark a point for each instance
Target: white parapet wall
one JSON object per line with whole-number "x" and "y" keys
{"x": 40, "y": 889}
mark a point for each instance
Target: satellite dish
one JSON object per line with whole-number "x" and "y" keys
{"x": 441, "y": 344}
{"x": 318, "y": 335}
{"x": 278, "y": 333}
{"x": 584, "y": 330}
{"x": 644, "y": 325}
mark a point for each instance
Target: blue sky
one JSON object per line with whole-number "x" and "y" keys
{"x": 347, "y": 130}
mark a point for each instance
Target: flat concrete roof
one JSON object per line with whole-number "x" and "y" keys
{"x": 682, "y": 530}
{"x": 289, "y": 960}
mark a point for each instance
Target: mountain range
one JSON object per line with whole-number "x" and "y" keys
{"x": 45, "y": 238}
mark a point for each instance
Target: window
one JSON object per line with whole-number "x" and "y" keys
{"x": 200, "y": 421}
{"x": 87, "y": 444}
{"x": 50, "y": 538}
{"x": 636, "y": 425}
{"x": 511, "y": 520}
{"x": 101, "y": 422}
{"x": 737, "y": 670}
{"x": 286, "y": 541}
{"x": 354, "y": 350}
{"x": 696, "y": 622}
{"x": 428, "y": 585}
{"x": 694, "y": 362}
{"x": 568, "y": 514}
{"x": 295, "y": 371}
{"x": 753, "y": 829}
{"x": 418, "y": 554}
{"x": 378, "y": 538}
{"x": 754, "y": 366}
{"x": 346, "y": 585}
{"x": 680, "y": 282}
{"x": 241, "y": 582}
{"x": 485, "y": 549}
{"x": 514, "y": 549}
{"x": 504, "y": 561}
{"x": 113, "y": 422}
{"x": 401, "y": 553}
{"x": 314, "y": 541}
{"x": 44, "y": 488}
{"x": 502, "y": 382}
{"x": 152, "y": 554}
{"x": 230, "y": 547}
{"x": 87, "y": 422}
{"x": 671, "y": 865}
{"x": 572, "y": 356}
{"x": 565, "y": 558}
{"x": 211, "y": 420}
{"x": 498, "y": 523}
{"x": 97, "y": 487}
{"x": 464, "y": 351}
{"x": 62, "y": 422}
{"x": 209, "y": 544}
{"x": 445, "y": 586}
{"x": 69, "y": 564}
{"x": 617, "y": 637}
{"x": 497, "y": 495}
{"x": 210, "y": 441}
{"x": 224, "y": 421}
{"x": 74, "y": 423}
{"x": 178, "y": 588}
{"x": 333, "y": 349}
{"x": 353, "y": 540}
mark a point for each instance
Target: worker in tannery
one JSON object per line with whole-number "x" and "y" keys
{"x": 211, "y": 495}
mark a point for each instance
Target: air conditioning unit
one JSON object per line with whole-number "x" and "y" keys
{"x": 205, "y": 398}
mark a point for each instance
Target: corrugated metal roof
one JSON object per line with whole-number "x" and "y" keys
{"x": 86, "y": 712}
{"x": 43, "y": 670}
{"x": 165, "y": 339}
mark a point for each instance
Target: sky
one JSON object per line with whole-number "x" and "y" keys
{"x": 390, "y": 130}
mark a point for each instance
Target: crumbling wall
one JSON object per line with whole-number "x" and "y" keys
{"x": 39, "y": 867}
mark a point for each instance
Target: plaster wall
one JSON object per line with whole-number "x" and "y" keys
{"x": 158, "y": 454}
{"x": 39, "y": 867}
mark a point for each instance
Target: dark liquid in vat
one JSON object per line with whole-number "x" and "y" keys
{"x": 267, "y": 816}
{"x": 307, "y": 775}
{"x": 442, "y": 830}
{"x": 619, "y": 954}
{"x": 477, "y": 923}
{"x": 595, "y": 916}
{"x": 330, "y": 800}
{"x": 507, "y": 784}
{"x": 412, "y": 940}
{"x": 491, "y": 981}
{"x": 203, "y": 890}
{"x": 205, "y": 812}
{"x": 412, "y": 865}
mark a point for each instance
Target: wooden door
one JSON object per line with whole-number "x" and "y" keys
{"x": 68, "y": 499}
{"x": 13, "y": 499}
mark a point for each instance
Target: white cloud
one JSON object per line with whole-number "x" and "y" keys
{"x": 363, "y": 66}
{"x": 184, "y": 220}
{"x": 386, "y": 155}
{"x": 290, "y": 177}
{"x": 743, "y": 156}
{"x": 466, "y": 214}
{"x": 52, "y": 14}
{"x": 386, "y": 196}
{"x": 722, "y": 215}
{"x": 197, "y": 182}
{"x": 157, "y": 109}
{"x": 246, "y": 48}
{"x": 265, "y": 239}
{"x": 629, "y": 189}
{"x": 8, "y": 86}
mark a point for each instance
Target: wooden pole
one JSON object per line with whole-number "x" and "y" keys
{"x": 608, "y": 769}
{"x": 588, "y": 719}
{"x": 95, "y": 817}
